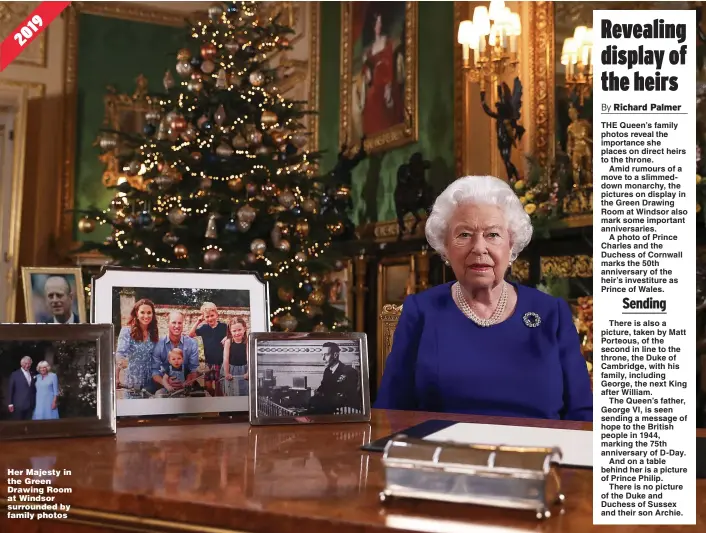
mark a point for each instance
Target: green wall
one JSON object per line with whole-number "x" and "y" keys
{"x": 374, "y": 179}
{"x": 112, "y": 52}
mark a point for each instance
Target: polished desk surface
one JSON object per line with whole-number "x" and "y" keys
{"x": 217, "y": 477}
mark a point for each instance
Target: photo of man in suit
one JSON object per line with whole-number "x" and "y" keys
{"x": 59, "y": 301}
{"x": 340, "y": 385}
{"x": 22, "y": 392}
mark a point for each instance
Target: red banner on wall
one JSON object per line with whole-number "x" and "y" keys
{"x": 13, "y": 44}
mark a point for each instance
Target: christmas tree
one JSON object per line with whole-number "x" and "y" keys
{"x": 221, "y": 177}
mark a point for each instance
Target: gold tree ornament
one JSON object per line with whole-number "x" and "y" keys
{"x": 258, "y": 247}
{"x": 287, "y": 322}
{"x": 268, "y": 118}
{"x": 235, "y": 184}
{"x": 86, "y": 225}
{"x": 180, "y": 251}
{"x": 220, "y": 115}
{"x": 176, "y": 216}
{"x": 256, "y": 78}
{"x": 285, "y": 294}
{"x": 168, "y": 80}
{"x": 211, "y": 256}
{"x": 211, "y": 227}
{"x": 302, "y": 228}
{"x": 317, "y": 298}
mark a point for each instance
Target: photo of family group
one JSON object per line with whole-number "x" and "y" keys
{"x": 47, "y": 380}
{"x": 180, "y": 338}
{"x": 174, "y": 343}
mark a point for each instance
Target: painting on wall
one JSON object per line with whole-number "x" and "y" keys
{"x": 339, "y": 286}
{"x": 379, "y": 74}
{"x": 396, "y": 280}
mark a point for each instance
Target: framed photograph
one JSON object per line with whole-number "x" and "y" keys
{"x": 339, "y": 288}
{"x": 56, "y": 380}
{"x": 54, "y": 295}
{"x": 308, "y": 378}
{"x": 180, "y": 337}
{"x": 379, "y": 74}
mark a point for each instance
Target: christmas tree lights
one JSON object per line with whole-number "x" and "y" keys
{"x": 221, "y": 177}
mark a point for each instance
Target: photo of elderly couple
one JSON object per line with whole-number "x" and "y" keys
{"x": 177, "y": 343}
{"x": 47, "y": 380}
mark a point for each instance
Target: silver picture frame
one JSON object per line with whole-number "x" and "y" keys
{"x": 116, "y": 291}
{"x": 104, "y": 420}
{"x": 289, "y": 383}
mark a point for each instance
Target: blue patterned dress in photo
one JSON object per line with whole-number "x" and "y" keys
{"x": 139, "y": 359}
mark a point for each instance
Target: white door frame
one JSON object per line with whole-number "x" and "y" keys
{"x": 13, "y": 95}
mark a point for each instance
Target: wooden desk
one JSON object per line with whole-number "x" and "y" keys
{"x": 212, "y": 478}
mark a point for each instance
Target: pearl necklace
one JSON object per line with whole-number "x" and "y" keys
{"x": 462, "y": 303}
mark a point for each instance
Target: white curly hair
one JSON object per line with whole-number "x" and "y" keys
{"x": 487, "y": 190}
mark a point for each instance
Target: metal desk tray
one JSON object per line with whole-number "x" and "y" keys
{"x": 500, "y": 476}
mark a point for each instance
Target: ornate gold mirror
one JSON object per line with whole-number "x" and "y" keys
{"x": 124, "y": 113}
{"x": 561, "y": 121}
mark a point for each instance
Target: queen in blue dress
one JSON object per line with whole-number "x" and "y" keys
{"x": 482, "y": 345}
{"x": 47, "y": 386}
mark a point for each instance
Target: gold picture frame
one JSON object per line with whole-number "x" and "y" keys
{"x": 353, "y": 88}
{"x": 33, "y": 291}
{"x": 340, "y": 284}
{"x": 124, "y": 113}
{"x": 397, "y": 277}
{"x": 541, "y": 82}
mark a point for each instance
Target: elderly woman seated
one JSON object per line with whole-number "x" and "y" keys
{"x": 482, "y": 345}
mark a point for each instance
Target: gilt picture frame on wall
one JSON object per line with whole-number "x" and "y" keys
{"x": 56, "y": 380}
{"x": 379, "y": 74}
{"x": 180, "y": 337}
{"x": 304, "y": 378}
{"x": 54, "y": 295}
{"x": 339, "y": 288}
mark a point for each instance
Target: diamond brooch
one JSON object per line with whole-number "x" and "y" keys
{"x": 531, "y": 319}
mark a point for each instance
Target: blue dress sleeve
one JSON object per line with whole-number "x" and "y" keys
{"x": 123, "y": 349}
{"x": 397, "y": 389}
{"x": 54, "y": 385}
{"x": 578, "y": 397}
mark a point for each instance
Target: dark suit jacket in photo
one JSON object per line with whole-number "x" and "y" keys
{"x": 48, "y": 319}
{"x": 21, "y": 395}
{"x": 341, "y": 387}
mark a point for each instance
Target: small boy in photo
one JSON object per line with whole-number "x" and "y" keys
{"x": 175, "y": 370}
{"x": 212, "y": 333}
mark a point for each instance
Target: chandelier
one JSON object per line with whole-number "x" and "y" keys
{"x": 492, "y": 35}
{"x": 577, "y": 58}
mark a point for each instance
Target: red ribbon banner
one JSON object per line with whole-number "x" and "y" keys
{"x": 33, "y": 25}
